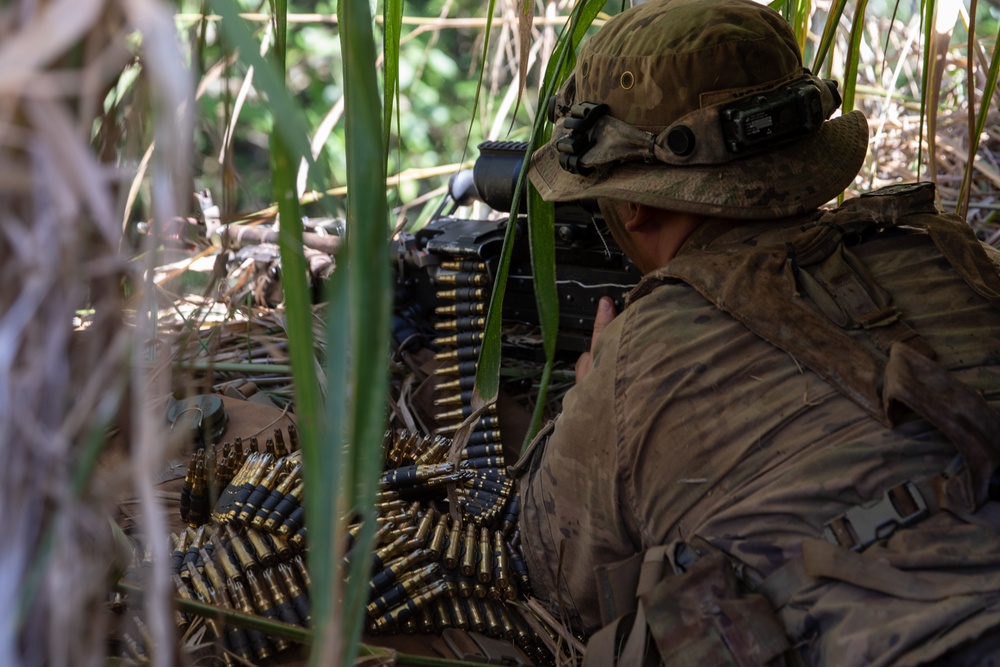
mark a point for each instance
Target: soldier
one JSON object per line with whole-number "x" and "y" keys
{"x": 781, "y": 451}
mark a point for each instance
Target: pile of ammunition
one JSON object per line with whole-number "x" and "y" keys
{"x": 434, "y": 565}
{"x": 430, "y": 571}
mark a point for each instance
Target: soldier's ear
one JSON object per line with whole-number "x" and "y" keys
{"x": 638, "y": 215}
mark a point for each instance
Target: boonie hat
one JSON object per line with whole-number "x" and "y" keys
{"x": 700, "y": 106}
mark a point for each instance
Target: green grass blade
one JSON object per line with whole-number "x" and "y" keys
{"x": 325, "y": 501}
{"x": 392, "y": 25}
{"x": 854, "y": 55}
{"x": 559, "y": 67}
{"x": 369, "y": 296}
{"x": 927, "y": 31}
{"x": 984, "y": 108}
{"x": 829, "y": 35}
{"x": 482, "y": 71}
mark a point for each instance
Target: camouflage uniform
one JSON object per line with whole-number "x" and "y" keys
{"x": 743, "y": 420}
{"x": 691, "y": 429}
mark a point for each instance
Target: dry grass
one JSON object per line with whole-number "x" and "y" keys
{"x": 60, "y": 240}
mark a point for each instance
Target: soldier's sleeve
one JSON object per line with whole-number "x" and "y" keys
{"x": 571, "y": 514}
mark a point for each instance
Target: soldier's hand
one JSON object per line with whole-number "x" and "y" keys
{"x": 605, "y": 313}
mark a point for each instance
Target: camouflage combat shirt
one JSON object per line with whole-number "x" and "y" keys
{"x": 689, "y": 425}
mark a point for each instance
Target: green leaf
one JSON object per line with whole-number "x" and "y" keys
{"x": 488, "y": 369}
{"x": 369, "y": 301}
{"x": 829, "y": 35}
{"x": 854, "y": 55}
{"x": 392, "y": 22}
{"x": 989, "y": 88}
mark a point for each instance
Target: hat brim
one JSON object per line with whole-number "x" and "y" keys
{"x": 788, "y": 180}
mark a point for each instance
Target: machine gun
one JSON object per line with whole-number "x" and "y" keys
{"x": 445, "y": 270}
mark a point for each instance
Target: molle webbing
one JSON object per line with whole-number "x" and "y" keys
{"x": 759, "y": 286}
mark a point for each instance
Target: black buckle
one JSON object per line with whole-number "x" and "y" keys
{"x": 861, "y": 526}
{"x": 572, "y": 146}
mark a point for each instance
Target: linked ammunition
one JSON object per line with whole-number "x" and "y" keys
{"x": 501, "y": 564}
{"x": 258, "y": 642}
{"x": 464, "y": 382}
{"x": 404, "y": 589}
{"x": 482, "y": 438}
{"x": 484, "y": 462}
{"x": 238, "y": 448}
{"x": 293, "y": 521}
{"x": 409, "y": 625}
{"x": 476, "y": 621}
{"x": 180, "y": 548}
{"x": 396, "y": 506}
{"x": 299, "y": 600}
{"x": 509, "y": 631}
{"x": 438, "y": 537}
{"x": 300, "y": 566}
{"x": 250, "y": 474}
{"x": 484, "y": 568}
{"x": 454, "y": 549}
{"x": 293, "y": 438}
{"x": 265, "y": 606}
{"x": 388, "y": 575}
{"x": 279, "y": 443}
{"x": 182, "y": 620}
{"x": 407, "y": 532}
{"x": 468, "y": 562}
{"x": 464, "y": 585}
{"x": 226, "y": 560}
{"x": 461, "y": 324}
{"x": 261, "y": 491}
{"x": 463, "y": 339}
{"x": 462, "y": 279}
{"x": 198, "y": 511}
{"x": 265, "y": 554}
{"x": 195, "y": 542}
{"x": 269, "y": 447}
{"x": 518, "y": 568}
{"x": 408, "y": 608}
{"x": 493, "y": 626}
{"x": 464, "y": 265}
{"x": 215, "y": 578}
{"x": 462, "y": 354}
{"x": 298, "y": 540}
{"x": 436, "y": 451}
{"x": 275, "y": 497}
{"x": 463, "y": 398}
{"x": 478, "y": 451}
{"x": 282, "y": 549}
{"x": 426, "y": 620}
{"x": 288, "y": 504}
{"x": 243, "y": 554}
{"x": 201, "y": 588}
{"x": 462, "y": 309}
{"x": 462, "y": 369}
{"x": 414, "y": 474}
{"x": 459, "y": 617}
{"x": 489, "y": 482}
{"x": 442, "y": 617}
{"x": 424, "y": 527}
{"x": 463, "y": 294}
{"x": 286, "y": 612}
{"x": 382, "y": 556}
{"x": 513, "y": 508}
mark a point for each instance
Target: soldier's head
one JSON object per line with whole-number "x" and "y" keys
{"x": 701, "y": 107}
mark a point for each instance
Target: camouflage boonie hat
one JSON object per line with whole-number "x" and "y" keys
{"x": 665, "y": 109}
